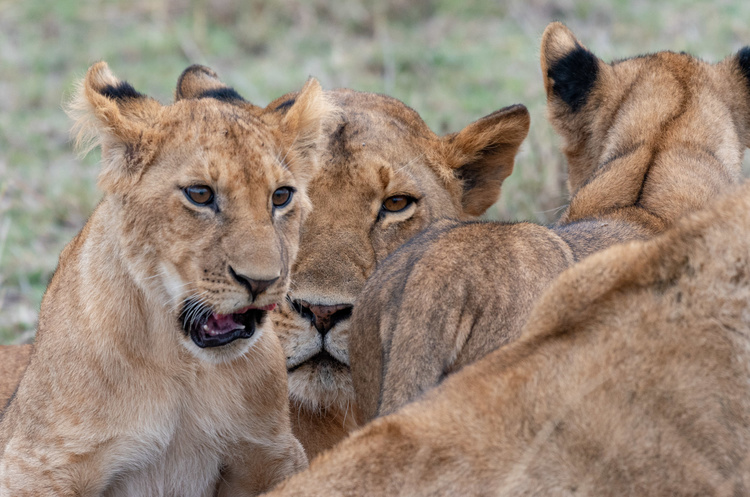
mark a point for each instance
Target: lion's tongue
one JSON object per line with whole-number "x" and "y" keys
{"x": 219, "y": 324}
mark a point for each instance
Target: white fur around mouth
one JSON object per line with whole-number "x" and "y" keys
{"x": 300, "y": 361}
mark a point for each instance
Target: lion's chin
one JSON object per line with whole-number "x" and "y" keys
{"x": 321, "y": 384}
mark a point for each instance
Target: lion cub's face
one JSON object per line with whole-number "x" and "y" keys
{"x": 210, "y": 198}
{"x": 384, "y": 177}
{"x": 221, "y": 213}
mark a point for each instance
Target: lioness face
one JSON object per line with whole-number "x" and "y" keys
{"x": 384, "y": 177}
{"x": 218, "y": 193}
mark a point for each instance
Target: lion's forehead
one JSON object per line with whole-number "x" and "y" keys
{"x": 236, "y": 152}
{"x": 362, "y": 110}
{"x": 219, "y": 125}
{"x": 372, "y": 170}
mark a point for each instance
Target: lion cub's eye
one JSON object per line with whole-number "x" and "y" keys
{"x": 282, "y": 196}
{"x": 397, "y": 203}
{"x": 201, "y": 195}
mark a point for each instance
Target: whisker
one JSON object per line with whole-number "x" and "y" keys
{"x": 201, "y": 311}
{"x": 555, "y": 210}
{"x": 176, "y": 297}
{"x": 161, "y": 272}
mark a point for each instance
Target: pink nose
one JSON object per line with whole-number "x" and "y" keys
{"x": 323, "y": 317}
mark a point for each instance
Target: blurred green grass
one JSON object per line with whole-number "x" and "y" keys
{"x": 452, "y": 60}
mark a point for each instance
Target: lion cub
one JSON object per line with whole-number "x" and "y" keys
{"x": 154, "y": 370}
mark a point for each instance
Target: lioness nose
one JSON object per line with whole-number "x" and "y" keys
{"x": 255, "y": 287}
{"x": 323, "y": 317}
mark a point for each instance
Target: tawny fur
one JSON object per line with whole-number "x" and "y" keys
{"x": 379, "y": 148}
{"x": 632, "y": 377}
{"x": 13, "y": 362}
{"x": 117, "y": 399}
{"x": 647, "y": 139}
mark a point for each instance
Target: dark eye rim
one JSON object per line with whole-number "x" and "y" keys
{"x": 292, "y": 191}
{"x": 410, "y": 199}
{"x": 208, "y": 203}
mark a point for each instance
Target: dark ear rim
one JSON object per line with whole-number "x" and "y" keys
{"x": 483, "y": 164}
{"x": 110, "y": 113}
{"x": 121, "y": 91}
{"x": 101, "y": 98}
{"x": 198, "y": 81}
{"x": 569, "y": 69}
{"x": 101, "y": 80}
{"x": 283, "y": 103}
{"x": 491, "y": 120}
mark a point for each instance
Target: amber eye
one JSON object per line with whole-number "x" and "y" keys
{"x": 397, "y": 203}
{"x": 282, "y": 196}
{"x": 201, "y": 195}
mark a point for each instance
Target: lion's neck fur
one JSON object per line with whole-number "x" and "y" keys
{"x": 320, "y": 429}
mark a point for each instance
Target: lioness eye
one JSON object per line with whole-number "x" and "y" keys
{"x": 397, "y": 203}
{"x": 282, "y": 196}
{"x": 201, "y": 195}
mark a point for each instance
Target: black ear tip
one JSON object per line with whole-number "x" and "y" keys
{"x": 285, "y": 105}
{"x": 223, "y": 94}
{"x": 573, "y": 76}
{"x": 191, "y": 72}
{"x": 121, "y": 91}
{"x": 199, "y": 81}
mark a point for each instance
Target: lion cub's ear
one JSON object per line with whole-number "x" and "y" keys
{"x": 571, "y": 73}
{"x": 569, "y": 70}
{"x": 303, "y": 123}
{"x": 483, "y": 153}
{"x": 202, "y": 82}
{"x": 110, "y": 113}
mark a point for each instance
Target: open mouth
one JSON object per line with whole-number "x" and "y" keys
{"x": 209, "y": 329}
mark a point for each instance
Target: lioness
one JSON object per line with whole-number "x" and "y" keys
{"x": 631, "y": 377}
{"x": 385, "y": 176}
{"x": 647, "y": 140}
{"x": 154, "y": 372}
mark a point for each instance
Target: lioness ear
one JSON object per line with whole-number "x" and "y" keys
{"x": 110, "y": 113}
{"x": 302, "y": 124}
{"x": 483, "y": 153}
{"x": 202, "y": 82}
{"x": 568, "y": 68}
